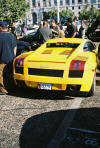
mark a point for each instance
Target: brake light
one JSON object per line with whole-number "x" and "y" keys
{"x": 19, "y": 62}
{"x": 77, "y": 65}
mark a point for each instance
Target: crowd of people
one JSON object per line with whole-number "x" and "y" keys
{"x": 8, "y": 43}
{"x": 72, "y": 29}
{"x": 52, "y": 30}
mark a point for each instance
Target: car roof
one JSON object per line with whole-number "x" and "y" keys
{"x": 70, "y": 40}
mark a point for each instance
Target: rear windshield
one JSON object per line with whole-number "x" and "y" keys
{"x": 66, "y": 45}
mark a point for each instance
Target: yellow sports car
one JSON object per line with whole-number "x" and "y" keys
{"x": 65, "y": 64}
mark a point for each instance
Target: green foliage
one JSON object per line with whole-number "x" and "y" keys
{"x": 89, "y": 13}
{"x": 12, "y": 10}
{"x": 52, "y": 13}
{"x": 67, "y": 13}
{"x": 63, "y": 13}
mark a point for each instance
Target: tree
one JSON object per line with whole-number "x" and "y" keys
{"x": 98, "y": 13}
{"x": 89, "y": 13}
{"x": 66, "y": 13}
{"x": 52, "y": 13}
{"x": 12, "y": 10}
{"x": 63, "y": 14}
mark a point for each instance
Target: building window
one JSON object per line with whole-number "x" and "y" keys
{"x": 98, "y": 5}
{"x": 34, "y": 3}
{"x": 86, "y": 1}
{"x": 78, "y": 12}
{"x": 93, "y": 1}
{"x": 55, "y": 2}
{"x": 61, "y": 2}
{"x": 73, "y": 2}
{"x": 67, "y": 2}
{"x": 79, "y": 1}
{"x": 44, "y": 3}
{"x": 49, "y": 2}
{"x": 79, "y": 7}
{"x": 72, "y": 8}
{"x": 38, "y": 4}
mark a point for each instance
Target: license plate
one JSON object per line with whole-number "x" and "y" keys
{"x": 44, "y": 86}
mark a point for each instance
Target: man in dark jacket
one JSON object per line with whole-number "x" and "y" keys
{"x": 8, "y": 47}
{"x": 70, "y": 31}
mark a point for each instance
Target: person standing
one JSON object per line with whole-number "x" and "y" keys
{"x": 23, "y": 29}
{"x": 45, "y": 33}
{"x": 8, "y": 48}
{"x": 81, "y": 33}
{"x": 13, "y": 29}
{"x": 70, "y": 31}
{"x": 55, "y": 29}
{"x": 74, "y": 23}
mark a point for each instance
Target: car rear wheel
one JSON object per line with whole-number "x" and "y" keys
{"x": 83, "y": 94}
{"x": 93, "y": 87}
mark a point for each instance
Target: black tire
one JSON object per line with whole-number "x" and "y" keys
{"x": 93, "y": 87}
{"x": 83, "y": 94}
{"x": 99, "y": 52}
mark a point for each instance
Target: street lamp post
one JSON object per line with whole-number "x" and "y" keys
{"x": 58, "y": 16}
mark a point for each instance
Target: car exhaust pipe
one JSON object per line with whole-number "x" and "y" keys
{"x": 20, "y": 84}
{"x": 74, "y": 88}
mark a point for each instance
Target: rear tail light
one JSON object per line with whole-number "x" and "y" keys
{"x": 77, "y": 65}
{"x": 19, "y": 62}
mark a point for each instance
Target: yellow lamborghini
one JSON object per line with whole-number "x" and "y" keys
{"x": 65, "y": 64}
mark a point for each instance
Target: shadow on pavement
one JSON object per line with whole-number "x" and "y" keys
{"x": 39, "y": 94}
{"x": 84, "y": 132}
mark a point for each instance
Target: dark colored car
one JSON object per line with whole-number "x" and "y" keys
{"x": 23, "y": 46}
{"x": 32, "y": 39}
{"x": 93, "y": 32}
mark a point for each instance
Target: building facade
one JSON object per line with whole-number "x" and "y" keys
{"x": 39, "y": 7}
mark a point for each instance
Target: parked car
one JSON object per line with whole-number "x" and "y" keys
{"x": 65, "y": 64}
{"x": 22, "y": 47}
{"x": 32, "y": 39}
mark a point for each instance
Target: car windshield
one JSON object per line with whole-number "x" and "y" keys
{"x": 59, "y": 44}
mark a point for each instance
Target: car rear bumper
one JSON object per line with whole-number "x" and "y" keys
{"x": 57, "y": 83}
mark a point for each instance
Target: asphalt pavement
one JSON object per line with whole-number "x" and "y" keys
{"x": 32, "y": 119}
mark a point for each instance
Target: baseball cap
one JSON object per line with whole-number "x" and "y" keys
{"x": 3, "y": 24}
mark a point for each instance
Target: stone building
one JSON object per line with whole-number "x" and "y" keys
{"x": 38, "y": 8}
